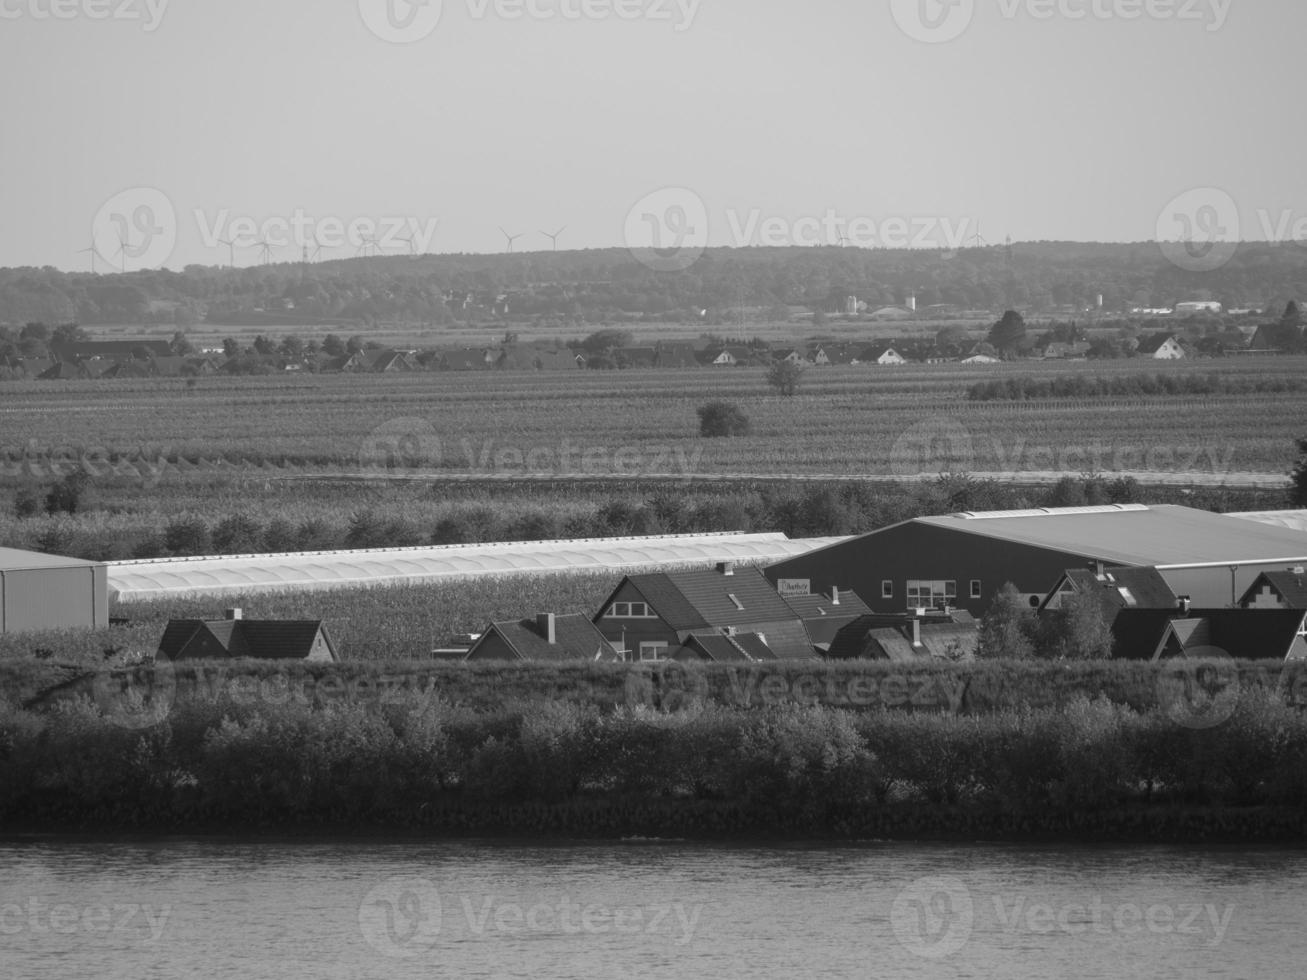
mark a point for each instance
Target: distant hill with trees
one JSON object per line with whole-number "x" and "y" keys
{"x": 594, "y": 286}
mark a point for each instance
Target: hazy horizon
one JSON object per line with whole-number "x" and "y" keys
{"x": 163, "y": 131}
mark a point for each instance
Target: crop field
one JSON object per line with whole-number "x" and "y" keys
{"x": 854, "y": 422}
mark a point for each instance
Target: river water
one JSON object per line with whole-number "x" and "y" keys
{"x": 218, "y": 909}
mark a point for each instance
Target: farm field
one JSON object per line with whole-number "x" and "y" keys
{"x": 854, "y": 422}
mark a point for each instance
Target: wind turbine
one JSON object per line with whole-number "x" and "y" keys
{"x": 265, "y": 251}
{"x": 95, "y": 254}
{"x": 368, "y": 246}
{"x": 412, "y": 245}
{"x": 554, "y": 237}
{"x": 231, "y": 251}
{"x": 122, "y": 250}
{"x": 511, "y": 238}
{"x": 977, "y": 239}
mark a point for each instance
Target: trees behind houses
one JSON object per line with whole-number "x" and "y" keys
{"x": 1012, "y": 630}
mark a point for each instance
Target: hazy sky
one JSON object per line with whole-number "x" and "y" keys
{"x": 1041, "y": 119}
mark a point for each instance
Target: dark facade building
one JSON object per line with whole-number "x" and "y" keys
{"x": 963, "y": 560}
{"x": 235, "y": 638}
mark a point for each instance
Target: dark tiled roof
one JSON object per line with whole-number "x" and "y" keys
{"x": 823, "y": 618}
{"x": 884, "y": 636}
{"x": 1152, "y": 344}
{"x": 1145, "y": 588}
{"x": 577, "y": 639}
{"x": 716, "y": 648}
{"x": 1245, "y": 634}
{"x": 703, "y": 598}
{"x": 259, "y": 639}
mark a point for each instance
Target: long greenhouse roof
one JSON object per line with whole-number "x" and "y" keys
{"x": 314, "y": 571}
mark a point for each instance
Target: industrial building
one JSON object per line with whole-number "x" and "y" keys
{"x": 47, "y": 592}
{"x": 963, "y": 560}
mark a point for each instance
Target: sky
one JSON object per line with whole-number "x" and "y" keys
{"x": 158, "y": 129}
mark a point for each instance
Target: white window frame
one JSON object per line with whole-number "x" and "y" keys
{"x": 939, "y": 593}
{"x": 887, "y": 588}
{"x": 615, "y": 611}
{"x": 659, "y": 649}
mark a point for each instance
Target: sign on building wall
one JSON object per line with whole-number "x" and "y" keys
{"x": 794, "y": 586}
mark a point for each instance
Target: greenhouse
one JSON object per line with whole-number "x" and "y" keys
{"x": 246, "y": 574}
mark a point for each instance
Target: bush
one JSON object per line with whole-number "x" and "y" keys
{"x": 237, "y": 535}
{"x": 188, "y": 536}
{"x": 722, "y": 420}
{"x": 26, "y": 504}
{"x": 66, "y": 496}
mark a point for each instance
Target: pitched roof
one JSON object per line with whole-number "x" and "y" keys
{"x": 13, "y": 559}
{"x": 1244, "y": 634}
{"x": 257, "y": 639}
{"x": 717, "y": 648}
{"x": 823, "y": 617}
{"x": 889, "y": 636}
{"x": 1119, "y": 588}
{"x": 693, "y": 600}
{"x": 577, "y": 638}
{"x": 1291, "y": 587}
{"x": 1155, "y": 342}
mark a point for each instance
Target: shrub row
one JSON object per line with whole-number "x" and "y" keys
{"x": 1020, "y": 389}
{"x": 1089, "y": 768}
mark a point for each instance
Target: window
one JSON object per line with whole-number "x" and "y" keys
{"x": 932, "y": 594}
{"x": 887, "y": 589}
{"x": 653, "y": 651}
{"x": 631, "y": 610}
{"x": 975, "y": 588}
{"x": 738, "y": 604}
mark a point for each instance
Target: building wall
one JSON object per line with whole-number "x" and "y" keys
{"x": 925, "y": 552}
{"x": 632, "y": 630}
{"x": 492, "y": 647}
{"x": 76, "y": 597}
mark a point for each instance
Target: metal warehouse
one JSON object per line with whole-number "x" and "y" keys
{"x": 962, "y": 560}
{"x": 46, "y": 592}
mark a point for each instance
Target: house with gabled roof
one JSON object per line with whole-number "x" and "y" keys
{"x": 384, "y": 362}
{"x": 1277, "y": 590}
{"x": 1242, "y": 634}
{"x": 472, "y": 359}
{"x": 651, "y": 616}
{"x": 825, "y": 615}
{"x": 1115, "y": 588}
{"x": 721, "y": 648}
{"x": 236, "y": 638}
{"x": 904, "y": 639}
{"x": 674, "y": 355}
{"x": 1161, "y": 347}
{"x": 546, "y": 638}
{"x": 881, "y": 355}
{"x": 636, "y": 357}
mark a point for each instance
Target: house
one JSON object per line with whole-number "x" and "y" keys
{"x": 479, "y": 359}
{"x": 676, "y": 356}
{"x": 884, "y": 356}
{"x": 1242, "y": 634}
{"x": 235, "y": 637}
{"x": 1277, "y": 590}
{"x": 556, "y": 360}
{"x": 963, "y": 560}
{"x": 636, "y": 357}
{"x": 1204, "y": 306}
{"x": 384, "y": 362}
{"x": 903, "y": 639}
{"x": 63, "y": 371}
{"x": 547, "y": 637}
{"x": 651, "y": 616}
{"x": 1059, "y": 351}
{"x": 1115, "y": 589}
{"x": 982, "y": 359}
{"x": 114, "y": 350}
{"x": 731, "y": 356}
{"x": 793, "y": 355}
{"x": 1161, "y": 347}
{"x": 825, "y": 615}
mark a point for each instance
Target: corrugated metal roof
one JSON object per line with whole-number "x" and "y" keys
{"x": 248, "y": 574}
{"x": 1165, "y": 535}
{"x": 13, "y": 560}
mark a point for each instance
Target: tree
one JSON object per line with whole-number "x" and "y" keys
{"x": 333, "y": 346}
{"x": 605, "y": 340}
{"x": 231, "y": 346}
{"x": 1300, "y": 475}
{"x": 187, "y": 536}
{"x": 1292, "y": 316}
{"x": 237, "y": 535}
{"x": 1008, "y": 628}
{"x": 66, "y": 495}
{"x": 722, "y": 420}
{"x": 1079, "y": 630}
{"x": 1009, "y": 333}
{"x": 354, "y": 344}
{"x": 785, "y": 376}
{"x": 180, "y": 346}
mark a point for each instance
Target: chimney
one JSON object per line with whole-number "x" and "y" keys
{"x": 547, "y": 624}
{"x": 727, "y": 568}
{"x": 835, "y": 595}
{"x": 916, "y": 632}
{"x": 1100, "y": 572}
{"x": 234, "y": 614}
{"x": 912, "y": 303}
{"x": 1184, "y": 603}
